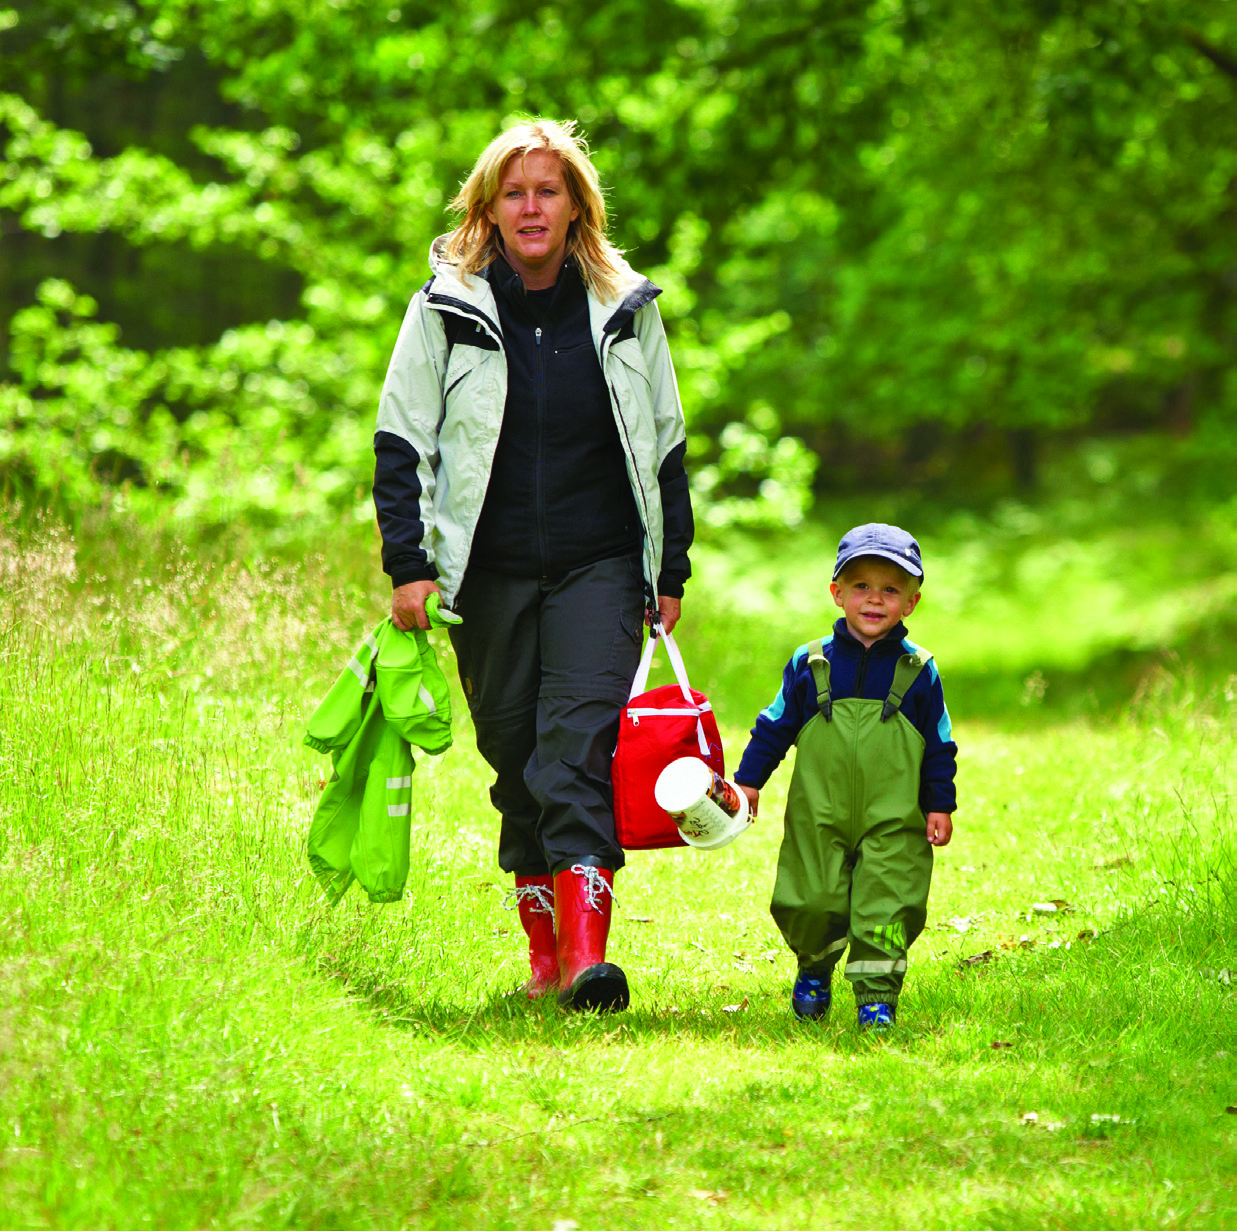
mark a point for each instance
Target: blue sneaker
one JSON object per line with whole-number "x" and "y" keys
{"x": 811, "y": 997}
{"x": 877, "y": 1016}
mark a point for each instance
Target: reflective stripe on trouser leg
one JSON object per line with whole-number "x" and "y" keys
{"x": 889, "y": 897}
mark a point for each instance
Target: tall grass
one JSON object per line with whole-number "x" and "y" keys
{"x": 189, "y": 1037}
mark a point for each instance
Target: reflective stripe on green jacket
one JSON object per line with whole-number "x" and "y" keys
{"x": 392, "y": 694}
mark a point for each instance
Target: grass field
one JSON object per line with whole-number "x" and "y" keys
{"x": 190, "y": 1039}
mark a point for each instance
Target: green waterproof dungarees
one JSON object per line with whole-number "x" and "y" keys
{"x": 855, "y": 863}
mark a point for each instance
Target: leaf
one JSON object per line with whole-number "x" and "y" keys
{"x": 999, "y": 1043}
{"x": 1031, "y": 1120}
{"x": 978, "y": 959}
{"x": 735, "y": 1008}
{"x": 1020, "y": 942}
{"x": 640, "y": 919}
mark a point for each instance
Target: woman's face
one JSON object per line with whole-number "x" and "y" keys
{"x": 532, "y": 210}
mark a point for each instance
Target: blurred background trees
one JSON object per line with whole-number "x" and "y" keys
{"x": 918, "y": 243}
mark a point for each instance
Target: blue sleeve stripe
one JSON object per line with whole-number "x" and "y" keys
{"x": 944, "y": 728}
{"x": 777, "y": 707}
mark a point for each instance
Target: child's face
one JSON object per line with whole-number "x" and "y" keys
{"x": 874, "y": 595}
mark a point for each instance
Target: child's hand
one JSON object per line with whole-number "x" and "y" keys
{"x": 753, "y": 797}
{"x": 940, "y": 828}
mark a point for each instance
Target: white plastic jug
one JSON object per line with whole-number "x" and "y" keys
{"x": 709, "y": 811}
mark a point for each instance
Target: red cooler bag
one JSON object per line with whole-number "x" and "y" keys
{"x": 657, "y": 727}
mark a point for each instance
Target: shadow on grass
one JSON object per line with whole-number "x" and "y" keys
{"x": 1162, "y": 969}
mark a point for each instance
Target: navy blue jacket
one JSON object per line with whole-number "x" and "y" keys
{"x": 858, "y": 672}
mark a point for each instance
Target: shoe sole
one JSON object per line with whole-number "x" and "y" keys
{"x": 805, "y": 1013}
{"x": 599, "y": 989}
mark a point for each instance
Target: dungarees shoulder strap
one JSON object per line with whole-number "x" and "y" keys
{"x": 904, "y": 675}
{"x": 820, "y": 673}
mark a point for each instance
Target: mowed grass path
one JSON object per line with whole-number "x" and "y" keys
{"x": 188, "y": 1038}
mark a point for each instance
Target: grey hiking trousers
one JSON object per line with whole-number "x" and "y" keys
{"x": 546, "y": 666}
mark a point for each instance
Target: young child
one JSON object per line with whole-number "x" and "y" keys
{"x": 873, "y": 784}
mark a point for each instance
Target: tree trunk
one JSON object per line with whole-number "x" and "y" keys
{"x": 1022, "y": 456}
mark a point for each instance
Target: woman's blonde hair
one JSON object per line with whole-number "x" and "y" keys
{"x": 475, "y": 241}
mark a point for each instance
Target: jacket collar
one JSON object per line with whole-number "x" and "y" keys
{"x": 507, "y": 283}
{"x": 889, "y": 644}
{"x": 607, "y": 316}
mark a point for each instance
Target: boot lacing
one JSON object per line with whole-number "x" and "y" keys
{"x": 595, "y": 883}
{"x": 542, "y": 899}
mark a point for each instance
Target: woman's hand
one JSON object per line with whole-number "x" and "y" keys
{"x": 669, "y": 609}
{"x": 408, "y": 604}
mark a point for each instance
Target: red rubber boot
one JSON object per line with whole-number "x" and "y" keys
{"x": 534, "y": 895}
{"x": 583, "y": 898}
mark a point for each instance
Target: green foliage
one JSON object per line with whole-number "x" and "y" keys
{"x": 232, "y": 430}
{"x": 900, "y": 223}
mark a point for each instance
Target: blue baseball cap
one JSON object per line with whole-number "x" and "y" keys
{"x": 878, "y": 539}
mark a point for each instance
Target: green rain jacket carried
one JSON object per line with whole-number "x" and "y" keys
{"x": 391, "y": 694}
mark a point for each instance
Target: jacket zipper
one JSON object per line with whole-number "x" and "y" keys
{"x": 543, "y": 534}
{"x": 861, "y": 675}
{"x": 636, "y": 714}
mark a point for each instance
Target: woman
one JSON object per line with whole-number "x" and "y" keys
{"x": 530, "y": 451}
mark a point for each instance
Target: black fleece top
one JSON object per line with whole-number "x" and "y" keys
{"x": 558, "y": 496}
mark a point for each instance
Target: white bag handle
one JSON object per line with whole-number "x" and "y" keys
{"x": 641, "y": 682}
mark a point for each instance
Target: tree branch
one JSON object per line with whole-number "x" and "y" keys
{"x": 1225, "y": 62}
